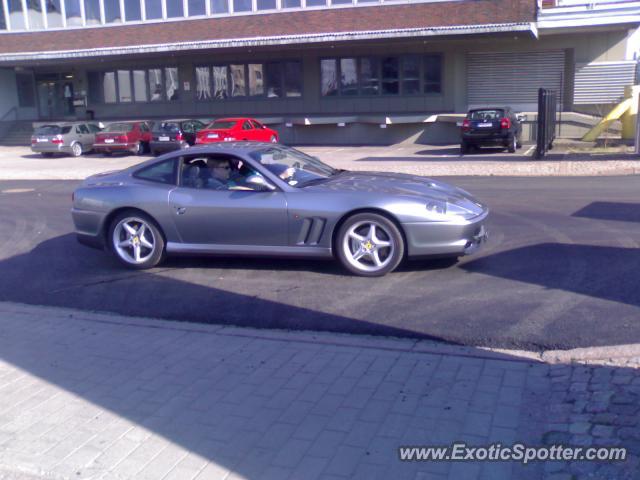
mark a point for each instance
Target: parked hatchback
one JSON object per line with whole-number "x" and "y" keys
{"x": 168, "y": 135}
{"x": 236, "y": 129}
{"x": 71, "y": 138}
{"x": 133, "y": 137}
{"x": 498, "y": 127}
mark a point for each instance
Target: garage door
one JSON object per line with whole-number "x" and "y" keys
{"x": 603, "y": 82}
{"x": 512, "y": 78}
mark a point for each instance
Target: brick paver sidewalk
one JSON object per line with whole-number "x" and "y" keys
{"x": 95, "y": 396}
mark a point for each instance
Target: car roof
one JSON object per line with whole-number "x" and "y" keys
{"x": 232, "y": 119}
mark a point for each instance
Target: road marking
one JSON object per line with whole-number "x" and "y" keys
{"x": 526, "y": 154}
{"x": 18, "y": 190}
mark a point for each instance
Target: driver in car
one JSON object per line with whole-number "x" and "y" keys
{"x": 221, "y": 176}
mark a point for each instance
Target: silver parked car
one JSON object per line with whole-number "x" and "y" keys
{"x": 71, "y": 138}
{"x": 265, "y": 199}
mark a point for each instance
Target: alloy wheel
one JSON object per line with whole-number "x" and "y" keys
{"x": 76, "y": 149}
{"x": 133, "y": 240}
{"x": 368, "y": 246}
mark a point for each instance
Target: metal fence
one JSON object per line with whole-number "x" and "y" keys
{"x": 546, "y": 134}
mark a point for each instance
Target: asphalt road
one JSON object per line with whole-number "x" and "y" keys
{"x": 562, "y": 270}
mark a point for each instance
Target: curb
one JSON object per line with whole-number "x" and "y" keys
{"x": 393, "y": 344}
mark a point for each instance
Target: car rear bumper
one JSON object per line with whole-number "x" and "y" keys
{"x": 166, "y": 146}
{"x": 455, "y": 239}
{"x": 113, "y": 147}
{"x": 487, "y": 139}
{"x": 50, "y": 148}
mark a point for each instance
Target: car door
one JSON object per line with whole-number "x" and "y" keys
{"x": 247, "y": 131}
{"x": 261, "y": 134}
{"x": 229, "y": 217}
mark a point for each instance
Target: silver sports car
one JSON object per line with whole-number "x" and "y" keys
{"x": 265, "y": 199}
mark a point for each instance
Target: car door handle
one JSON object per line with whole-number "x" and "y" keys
{"x": 180, "y": 210}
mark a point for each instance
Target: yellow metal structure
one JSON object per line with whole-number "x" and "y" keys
{"x": 626, "y": 111}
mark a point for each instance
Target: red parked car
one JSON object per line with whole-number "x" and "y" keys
{"x": 236, "y": 129}
{"x": 131, "y": 137}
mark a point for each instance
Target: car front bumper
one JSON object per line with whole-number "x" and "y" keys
{"x": 446, "y": 239}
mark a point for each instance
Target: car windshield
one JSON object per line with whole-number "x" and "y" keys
{"x": 494, "y": 114}
{"x": 296, "y": 168}
{"x": 166, "y": 127}
{"x": 48, "y": 130}
{"x": 222, "y": 124}
{"x": 119, "y": 127}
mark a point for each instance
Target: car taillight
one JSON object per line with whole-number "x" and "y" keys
{"x": 33, "y": 141}
{"x": 179, "y": 137}
{"x": 122, "y": 138}
{"x": 505, "y": 123}
{"x": 466, "y": 125}
{"x": 57, "y": 140}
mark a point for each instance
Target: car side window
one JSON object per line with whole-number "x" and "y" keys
{"x": 217, "y": 172}
{"x": 257, "y": 124}
{"x": 93, "y": 128}
{"x": 187, "y": 127}
{"x": 83, "y": 129}
{"x": 161, "y": 172}
{"x": 247, "y": 125}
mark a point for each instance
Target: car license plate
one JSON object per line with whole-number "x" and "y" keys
{"x": 108, "y": 140}
{"x": 41, "y": 140}
{"x": 212, "y": 135}
{"x": 485, "y": 125}
{"x": 164, "y": 139}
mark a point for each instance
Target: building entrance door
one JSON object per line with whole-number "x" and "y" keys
{"x": 55, "y": 97}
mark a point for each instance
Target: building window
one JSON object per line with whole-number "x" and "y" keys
{"x": 266, "y": 4}
{"x": 155, "y": 84}
{"x": 406, "y": 75}
{"x": 109, "y": 87}
{"x": 290, "y": 3}
{"x": 172, "y": 83}
{"x": 293, "y": 79}
{"x": 34, "y": 13}
{"x": 328, "y": 77}
{"x": 238, "y": 88}
{"x": 140, "y": 85}
{"x": 16, "y": 18}
{"x": 220, "y": 82}
{"x": 124, "y": 86}
{"x": 112, "y": 11}
{"x": 94, "y": 81}
{"x": 26, "y": 87}
{"x": 3, "y": 20}
{"x": 316, "y": 3}
{"x": 54, "y": 13}
{"x": 92, "y": 12}
{"x": 348, "y": 77}
{"x": 370, "y": 76}
{"x": 203, "y": 83}
{"x": 132, "y": 11}
{"x": 242, "y": 5}
{"x": 411, "y": 75}
{"x": 153, "y": 9}
{"x": 73, "y": 13}
{"x": 341, "y": 2}
{"x": 175, "y": 8}
{"x": 433, "y": 74}
{"x": 219, "y": 6}
{"x": 197, "y": 7}
{"x": 256, "y": 80}
{"x": 273, "y": 79}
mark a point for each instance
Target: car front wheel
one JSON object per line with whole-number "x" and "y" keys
{"x": 369, "y": 245}
{"x": 136, "y": 240}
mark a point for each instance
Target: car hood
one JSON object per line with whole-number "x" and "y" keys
{"x": 394, "y": 184}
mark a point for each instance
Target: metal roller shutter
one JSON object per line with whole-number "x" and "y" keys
{"x": 603, "y": 82}
{"x": 513, "y": 78}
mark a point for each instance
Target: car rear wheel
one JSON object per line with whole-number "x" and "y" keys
{"x": 76, "y": 149}
{"x": 136, "y": 240}
{"x": 369, "y": 245}
{"x": 139, "y": 148}
{"x": 464, "y": 148}
{"x": 513, "y": 142}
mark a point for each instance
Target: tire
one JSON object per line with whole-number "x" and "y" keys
{"x": 374, "y": 260}
{"x": 76, "y": 149}
{"x": 464, "y": 148}
{"x": 134, "y": 246}
{"x": 139, "y": 149}
{"x": 273, "y": 139}
{"x": 154, "y": 153}
{"x": 512, "y": 144}
{"x": 107, "y": 154}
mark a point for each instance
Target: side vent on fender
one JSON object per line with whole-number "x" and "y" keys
{"x": 311, "y": 231}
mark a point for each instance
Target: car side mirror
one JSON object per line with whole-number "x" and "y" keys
{"x": 259, "y": 183}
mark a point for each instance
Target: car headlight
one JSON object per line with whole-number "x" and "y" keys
{"x": 442, "y": 211}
